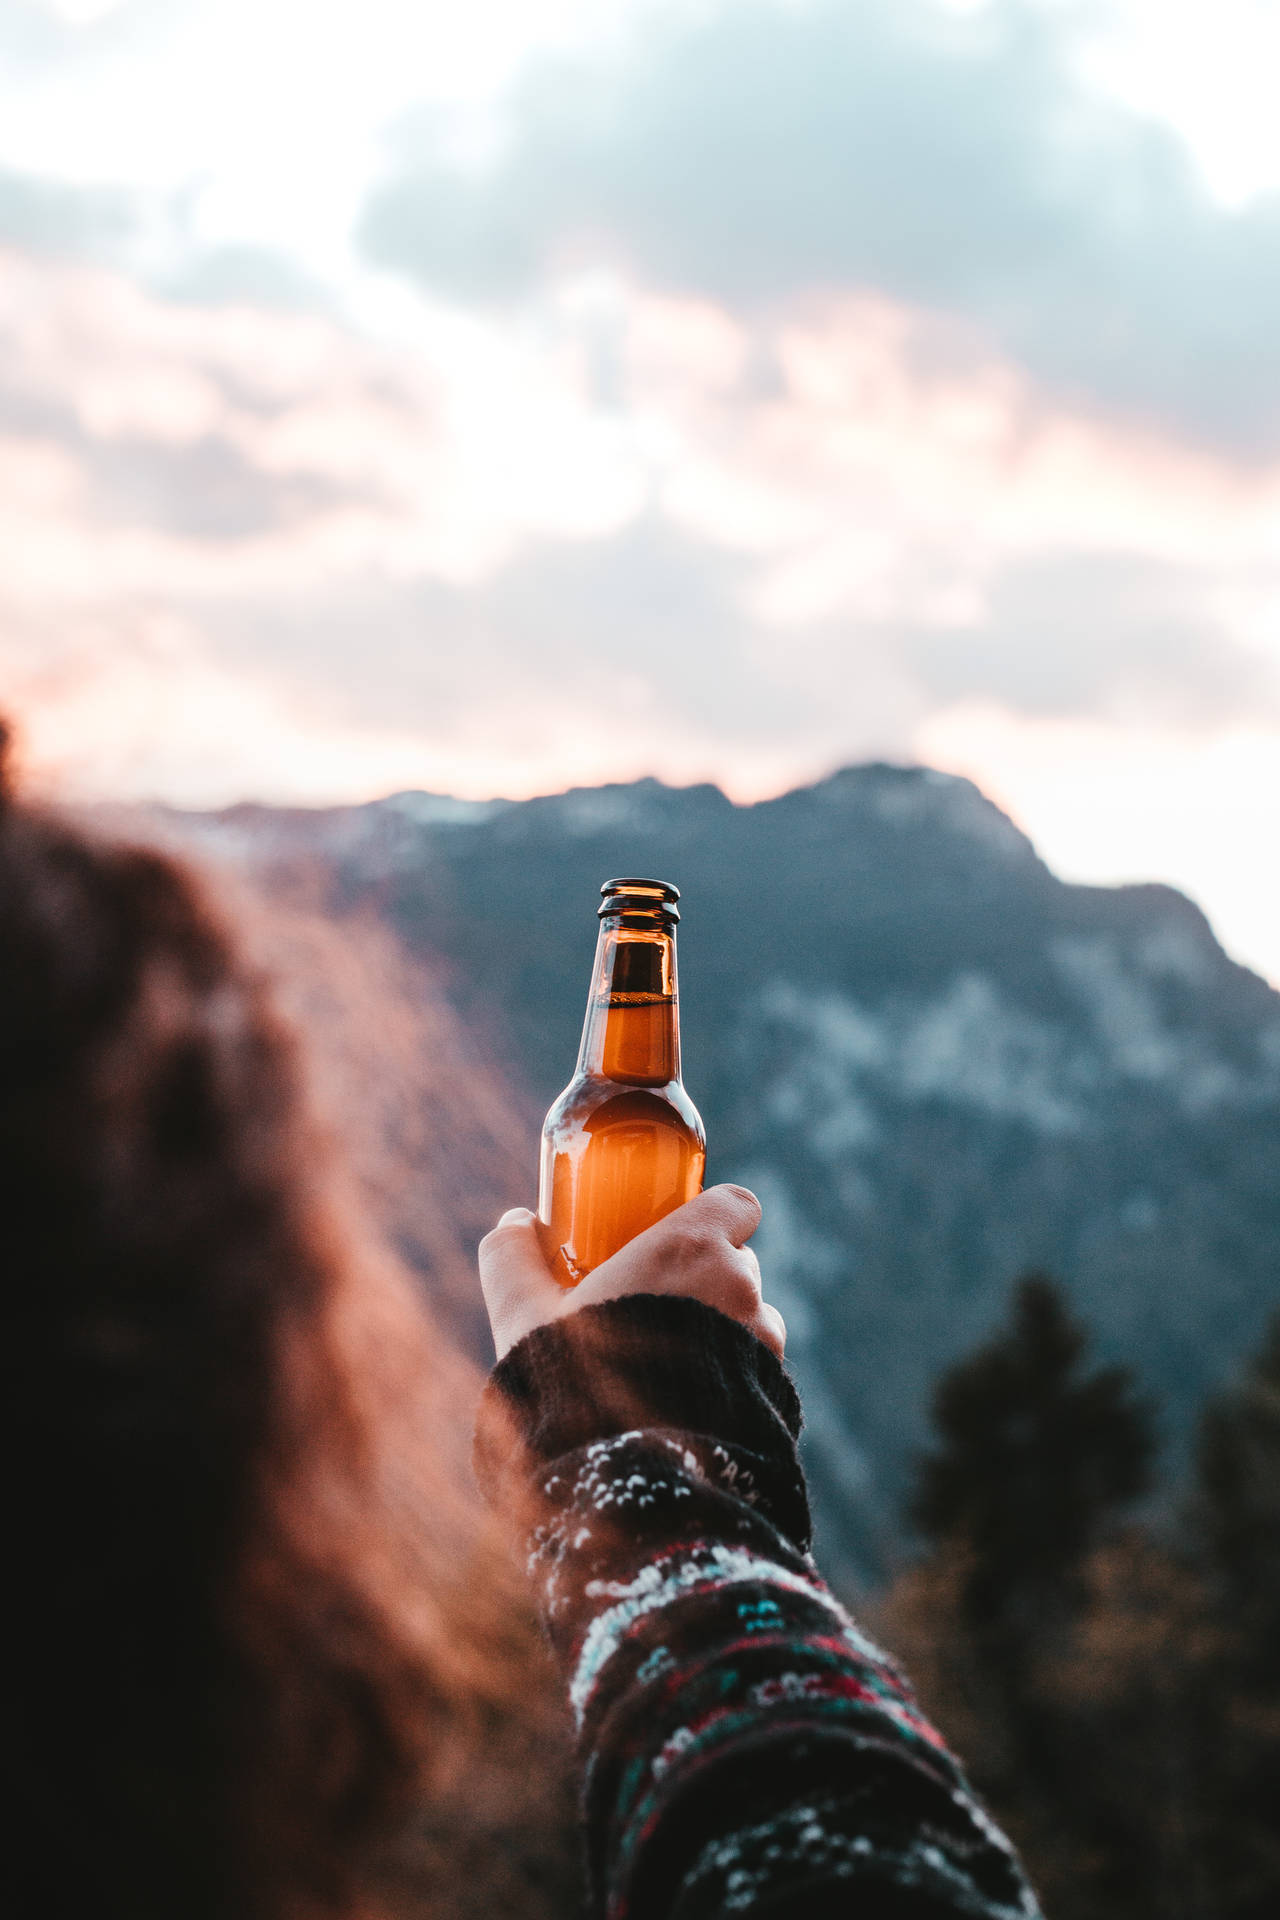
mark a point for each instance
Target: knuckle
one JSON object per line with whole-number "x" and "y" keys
{"x": 499, "y": 1237}
{"x": 771, "y": 1332}
{"x": 742, "y": 1291}
{"x": 697, "y": 1243}
{"x": 745, "y": 1204}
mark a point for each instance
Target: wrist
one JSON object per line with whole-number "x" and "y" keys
{"x": 645, "y": 1361}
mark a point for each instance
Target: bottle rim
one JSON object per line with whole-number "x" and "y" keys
{"x": 629, "y": 895}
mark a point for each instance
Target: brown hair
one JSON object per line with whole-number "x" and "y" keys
{"x": 256, "y": 1619}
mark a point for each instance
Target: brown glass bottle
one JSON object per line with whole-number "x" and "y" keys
{"x": 623, "y": 1145}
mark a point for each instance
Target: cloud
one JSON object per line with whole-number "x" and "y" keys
{"x": 301, "y": 450}
{"x": 49, "y": 217}
{"x": 243, "y": 275}
{"x": 952, "y": 161}
{"x": 577, "y": 662}
{"x": 633, "y": 545}
{"x": 644, "y": 631}
{"x": 207, "y": 489}
{"x": 1090, "y": 636}
{"x": 144, "y": 416}
{"x": 645, "y": 645}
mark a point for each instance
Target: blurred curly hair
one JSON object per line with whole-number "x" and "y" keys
{"x": 251, "y": 1624}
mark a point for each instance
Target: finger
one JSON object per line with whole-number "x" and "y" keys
{"x": 732, "y": 1211}
{"x": 494, "y": 1246}
{"x": 771, "y": 1328}
{"x": 734, "y": 1284}
{"x": 687, "y": 1252}
{"x": 519, "y": 1292}
{"x": 511, "y": 1257}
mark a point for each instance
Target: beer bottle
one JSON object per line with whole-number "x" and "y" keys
{"x": 623, "y": 1145}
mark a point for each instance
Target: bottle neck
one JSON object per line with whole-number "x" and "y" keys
{"x": 632, "y": 1028}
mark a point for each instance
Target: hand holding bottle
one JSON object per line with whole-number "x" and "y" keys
{"x": 623, "y": 1145}
{"x": 698, "y": 1251}
{"x": 620, "y": 1209}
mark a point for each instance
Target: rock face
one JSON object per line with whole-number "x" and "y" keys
{"x": 937, "y": 1064}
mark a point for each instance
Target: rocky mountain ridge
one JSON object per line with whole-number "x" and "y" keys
{"x": 938, "y": 1065}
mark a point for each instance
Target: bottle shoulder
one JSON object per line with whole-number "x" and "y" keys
{"x": 589, "y": 1096}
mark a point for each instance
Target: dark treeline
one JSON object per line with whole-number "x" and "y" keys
{"x": 1113, "y": 1681}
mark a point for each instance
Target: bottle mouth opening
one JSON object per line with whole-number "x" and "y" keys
{"x": 640, "y": 896}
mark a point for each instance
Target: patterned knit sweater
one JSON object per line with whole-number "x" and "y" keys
{"x": 743, "y": 1747}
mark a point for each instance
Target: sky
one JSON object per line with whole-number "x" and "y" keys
{"x": 540, "y": 392}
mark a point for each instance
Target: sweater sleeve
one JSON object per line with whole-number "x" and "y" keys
{"x": 743, "y": 1747}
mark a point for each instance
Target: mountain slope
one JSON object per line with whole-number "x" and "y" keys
{"x": 937, "y": 1064}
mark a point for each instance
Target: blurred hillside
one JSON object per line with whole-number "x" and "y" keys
{"x": 436, "y": 1149}
{"x": 435, "y": 1138}
{"x": 937, "y": 1064}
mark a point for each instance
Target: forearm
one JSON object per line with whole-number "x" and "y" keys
{"x": 742, "y": 1744}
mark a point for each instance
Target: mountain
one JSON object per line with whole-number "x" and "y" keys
{"x": 936, "y": 1063}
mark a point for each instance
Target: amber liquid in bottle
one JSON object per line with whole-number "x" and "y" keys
{"x": 623, "y": 1145}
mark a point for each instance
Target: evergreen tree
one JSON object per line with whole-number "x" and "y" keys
{"x": 1117, "y": 1695}
{"x": 1036, "y": 1621}
{"x": 1236, "y": 1519}
{"x": 1237, "y": 1511}
{"x": 1036, "y": 1457}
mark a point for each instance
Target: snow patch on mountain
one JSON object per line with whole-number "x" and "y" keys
{"x": 795, "y": 1256}
{"x": 968, "y": 1046}
{"x": 972, "y": 1047}
{"x": 1137, "y": 1042}
{"x": 922, "y": 799}
{"x": 442, "y": 809}
{"x": 1174, "y": 952}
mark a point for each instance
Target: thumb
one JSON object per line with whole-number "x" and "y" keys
{"x": 519, "y": 1292}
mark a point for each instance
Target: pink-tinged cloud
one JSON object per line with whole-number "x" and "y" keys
{"x": 284, "y": 557}
{"x": 955, "y": 160}
{"x": 261, "y": 553}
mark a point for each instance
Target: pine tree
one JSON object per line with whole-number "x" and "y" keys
{"x": 1036, "y": 1457}
{"x": 1236, "y": 1519}
{"x": 1033, "y": 1593}
{"x": 1238, "y": 1507}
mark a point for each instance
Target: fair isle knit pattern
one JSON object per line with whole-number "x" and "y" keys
{"x": 743, "y": 1745}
